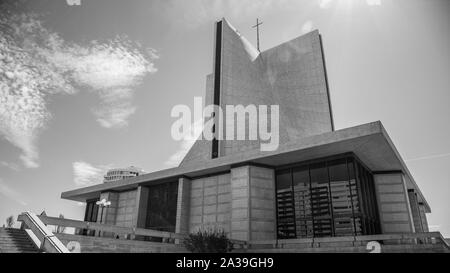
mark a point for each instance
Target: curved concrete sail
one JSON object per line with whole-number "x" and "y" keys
{"x": 291, "y": 75}
{"x": 252, "y": 52}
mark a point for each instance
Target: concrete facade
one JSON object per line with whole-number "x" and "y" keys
{"x": 210, "y": 203}
{"x": 253, "y": 203}
{"x": 122, "y": 211}
{"x": 183, "y": 206}
{"x": 236, "y": 191}
{"x": 393, "y": 203}
{"x": 242, "y": 203}
{"x": 291, "y": 75}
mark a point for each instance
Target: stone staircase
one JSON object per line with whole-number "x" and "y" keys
{"x": 14, "y": 240}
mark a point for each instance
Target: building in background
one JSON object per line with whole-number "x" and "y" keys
{"x": 320, "y": 182}
{"x": 122, "y": 173}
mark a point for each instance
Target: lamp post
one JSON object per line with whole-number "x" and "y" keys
{"x": 103, "y": 204}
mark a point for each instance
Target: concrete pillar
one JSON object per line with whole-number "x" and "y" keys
{"x": 415, "y": 211}
{"x": 210, "y": 203}
{"x": 140, "y": 213}
{"x": 183, "y": 205}
{"x": 423, "y": 217}
{"x": 240, "y": 203}
{"x": 107, "y": 215}
{"x": 253, "y": 203}
{"x": 393, "y": 203}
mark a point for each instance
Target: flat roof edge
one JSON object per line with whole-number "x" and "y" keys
{"x": 222, "y": 163}
{"x": 405, "y": 167}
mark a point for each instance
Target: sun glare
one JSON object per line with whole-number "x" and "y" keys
{"x": 347, "y": 4}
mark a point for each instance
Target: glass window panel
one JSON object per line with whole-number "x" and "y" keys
{"x": 354, "y": 197}
{"x": 285, "y": 205}
{"x": 162, "y": 207}
{"x": 320, "y": 200}
{"x": 90, "y": 216}
{"x": 302, "y": 197}
{"x": 330, "y": 198}
{"x": 341, "y": 198}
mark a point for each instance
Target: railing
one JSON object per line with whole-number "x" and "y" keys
{"x": 47, "y": 240}
{"x": 121, "y": 232}
{"x": 409, "y": 238}
{"x": 125, "y": 232}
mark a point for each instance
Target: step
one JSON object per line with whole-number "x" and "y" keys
{"x": 19, "y": 239}
{"x": 16, "y": 241}
{"x": 14, "y": 235}
{"x": 27, "y": 244}
{"x": 12, "y": 243}
{"x": 18, "y": 250}
{"x": 25, "y": 238}
{"x": 23, "y": 249}
{"x": 17, "y": 245}
{"x": 2, "y": 230}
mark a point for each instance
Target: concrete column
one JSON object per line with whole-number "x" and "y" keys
{"x": 393, "y": 203}
{"x": 240, "y": 203}
{"x": 107, "y": 215}
{"x": 183, "y": 206}
{"x": 262, "y": 204}
{"x": 423, "y": 217}
{"x": 252, "y": 203}
{"x": 415, "y": 211}
{"x": 140, "y": 212}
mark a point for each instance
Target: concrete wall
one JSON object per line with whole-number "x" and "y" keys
{"x": 393, "y": 203}
{"x": 107, "y": 215}
{"x": 291, "y": 75}
{"x": 125, "y": 209}
{"x": 415, "y": 211}
{"x": 140, "y": 213}
{"x": 423, "y": 217}
{"x": 91, "y": 244}
{"x": 121, "y": 212}
{"x": 183, "y": 206}
{"x": 210, "y": 203}
{"x": 253, "y": 204}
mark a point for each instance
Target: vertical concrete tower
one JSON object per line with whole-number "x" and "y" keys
{"x": 291, "y": 75}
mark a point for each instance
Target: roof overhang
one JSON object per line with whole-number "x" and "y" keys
{"x": 369, "y": 142}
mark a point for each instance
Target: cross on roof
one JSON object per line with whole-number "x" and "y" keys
{"x": 257, "y": 32}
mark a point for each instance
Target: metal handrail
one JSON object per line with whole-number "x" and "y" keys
{"x": 109, "y": 228}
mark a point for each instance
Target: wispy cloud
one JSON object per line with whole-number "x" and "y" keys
{"x": 186, "y": 143}
{"x": 324, "y": 4}
{"x": 12, "y": 166}
{"x": 434, "y": 227}
{"x": 36, "y": 63}
{"x": 85, "y": 174}
{"x": 428, "y": 157}
{"x": 11, "y": 193}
